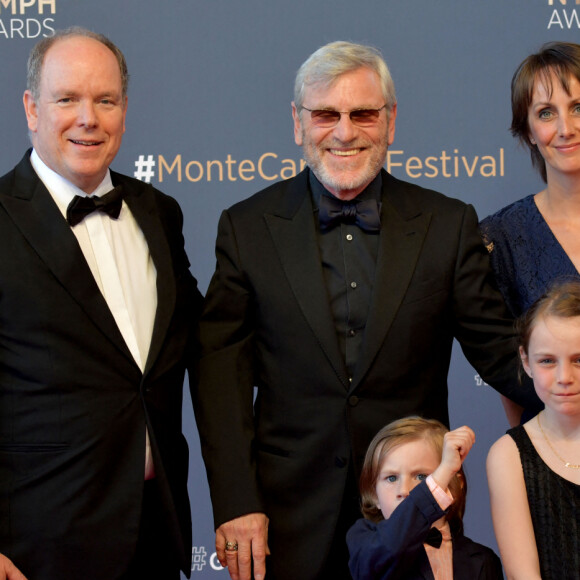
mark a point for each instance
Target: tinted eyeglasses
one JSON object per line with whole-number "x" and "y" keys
{"x": 329, "y": 118}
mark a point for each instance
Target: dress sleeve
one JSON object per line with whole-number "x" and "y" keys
{"x": 497, "y": 242}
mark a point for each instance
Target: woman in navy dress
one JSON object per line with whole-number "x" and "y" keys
{"x": 537, "y": 239}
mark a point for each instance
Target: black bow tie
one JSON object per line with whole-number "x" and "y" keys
{"x": 365, "y": 213}
{"x": 434, "y": 538}
{"x": 81, "y": 207}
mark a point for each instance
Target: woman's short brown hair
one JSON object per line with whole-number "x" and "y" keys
{"x": 561, "y": 59}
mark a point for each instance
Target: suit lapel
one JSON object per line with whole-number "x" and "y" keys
{"x": 465, "y": 560}
{"x": 401, "y": 239}
{"x": 141, "y": 202}
{"x": 34, "y": 212}
{"x": 294, "y": 235}
{"x": 425, "y": 569}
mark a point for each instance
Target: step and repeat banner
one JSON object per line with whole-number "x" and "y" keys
{"x": 209, "y": 123}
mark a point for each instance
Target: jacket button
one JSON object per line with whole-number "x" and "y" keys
{"x": 353, "y": 401}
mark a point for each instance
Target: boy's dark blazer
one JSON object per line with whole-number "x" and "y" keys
{"x": 394, "y": 550}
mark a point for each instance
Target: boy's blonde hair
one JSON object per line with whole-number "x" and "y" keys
{"x": 397, "y": 433}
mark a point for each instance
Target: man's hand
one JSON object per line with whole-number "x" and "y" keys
{"x": 8, "y": 571}
{"x": 250, "y": 533}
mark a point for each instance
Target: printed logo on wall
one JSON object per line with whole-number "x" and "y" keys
{"x": 271, "y": 167}
{"x": 27, "y": 18}
{"x": 480, "y": 382}
{"x": 199, "y": 562}
{"x": 562, "y": 15}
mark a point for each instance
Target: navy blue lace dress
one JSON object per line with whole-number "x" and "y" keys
{"x": 525, "y": 255}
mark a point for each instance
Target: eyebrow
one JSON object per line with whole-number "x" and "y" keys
{"x": 420, "y": 469}
{"x": 544, "y": 103}
{"x": 358, "y": 108}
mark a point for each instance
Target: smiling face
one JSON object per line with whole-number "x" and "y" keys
{"x": 553, "y": 362}
{"x": 77, "y": 122}
{"x": 554, "y": 125}
{"x": 345, "y": 158}
{"x": 403, "y": 468}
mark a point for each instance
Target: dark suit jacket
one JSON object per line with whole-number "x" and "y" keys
{"x": 267, "y": 323}
{"x": 73, "y": 402}
{"x": 393, "y": 549}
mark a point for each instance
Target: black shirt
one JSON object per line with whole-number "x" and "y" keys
{"x": 348, "y": 255}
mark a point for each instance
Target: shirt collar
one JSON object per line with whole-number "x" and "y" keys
{"x": 443, "y": 526}
{"x": 62, "y": 190}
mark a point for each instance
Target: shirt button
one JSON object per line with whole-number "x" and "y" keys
{"x": 353, "y": 284}
{"x": 352, "y": 332}
{"x": 349, "y": 237}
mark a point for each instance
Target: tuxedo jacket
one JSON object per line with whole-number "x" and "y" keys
{"x": 74, "y": 405}
{"x": 393, "y": 549}
{"x": 267, "y": 323}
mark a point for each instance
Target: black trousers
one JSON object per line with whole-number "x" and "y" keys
{"x": 336, "y": 565}
{"x": 154, "y": 557}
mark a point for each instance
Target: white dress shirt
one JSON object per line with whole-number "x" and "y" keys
{"x": 118, "y": 256}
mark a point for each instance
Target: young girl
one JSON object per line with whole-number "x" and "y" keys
{"x": 413, "y": 497}
{"x": 534, "y": 470}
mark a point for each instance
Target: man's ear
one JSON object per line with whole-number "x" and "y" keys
{"x": 31, "y": 110}
{"x": 297, "y": 125}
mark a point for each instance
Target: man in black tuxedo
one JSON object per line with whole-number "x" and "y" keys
{"x": 337, "y": 295}
{"x": 98, "y": 312}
